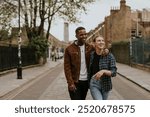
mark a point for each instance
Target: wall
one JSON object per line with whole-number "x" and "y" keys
{"x": 121, "y": 52}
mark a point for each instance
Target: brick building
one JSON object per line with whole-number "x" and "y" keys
{"x": 122, "y": 24}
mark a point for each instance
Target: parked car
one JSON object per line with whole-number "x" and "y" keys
{"x": 61, "y": 55}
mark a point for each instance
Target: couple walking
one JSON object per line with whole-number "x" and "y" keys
{"x": 88, "y": 66}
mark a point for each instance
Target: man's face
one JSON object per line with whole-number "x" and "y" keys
{"x": 81, "y": 35}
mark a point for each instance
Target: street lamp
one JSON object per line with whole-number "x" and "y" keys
{"x": 19, "y": 67}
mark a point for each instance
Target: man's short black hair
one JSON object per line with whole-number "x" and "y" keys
{"x": 79, "y": 28}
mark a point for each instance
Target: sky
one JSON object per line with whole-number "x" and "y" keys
{"x": 95, "y": 15}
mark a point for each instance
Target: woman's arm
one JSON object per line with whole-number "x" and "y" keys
{"x": 99, "y": 74}
{"x": 112, "y": 69}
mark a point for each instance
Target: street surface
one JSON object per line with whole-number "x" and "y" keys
{"x": 52, "y": 86}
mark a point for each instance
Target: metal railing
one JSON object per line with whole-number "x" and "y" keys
{"x": 140, "y": 51}
{"x": 9, "y": 57}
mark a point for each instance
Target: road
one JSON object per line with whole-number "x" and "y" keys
{"x": 52, "y": 86}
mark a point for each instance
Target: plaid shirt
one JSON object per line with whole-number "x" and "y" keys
{"x": 107, "y": 62}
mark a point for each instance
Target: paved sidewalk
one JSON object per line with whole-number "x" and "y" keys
{"x": 9, "y": 82}
{"x": 139, "y": 77}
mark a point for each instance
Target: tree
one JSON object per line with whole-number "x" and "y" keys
{"x": 4, "y": 34}
{"x": 7, "y": 12}
{"x": 66, "y": 9}
{"x": 36, "y": 12}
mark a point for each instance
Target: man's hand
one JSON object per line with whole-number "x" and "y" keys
{"x": 72, "y": 87}
{"x": 105, "y": 51}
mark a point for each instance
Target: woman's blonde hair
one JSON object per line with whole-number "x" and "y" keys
{"x": 96, "y": 36}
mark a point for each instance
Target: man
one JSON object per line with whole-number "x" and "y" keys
{"x": 76, "y": 64}
{"x": 76, "y": 61}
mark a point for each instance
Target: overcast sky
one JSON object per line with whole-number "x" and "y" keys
{"x": 96, "y": 15}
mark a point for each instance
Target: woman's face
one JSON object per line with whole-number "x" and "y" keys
{"x": 99, "y": 43}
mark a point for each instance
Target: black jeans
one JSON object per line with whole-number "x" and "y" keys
{"x": 80, "y": 92}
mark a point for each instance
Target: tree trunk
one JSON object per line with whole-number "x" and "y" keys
{"x": 42, "y": 14}
{"x": 35, "y": 13}
{"x": 49, "y": 27}
{"x": 31, "y": 13}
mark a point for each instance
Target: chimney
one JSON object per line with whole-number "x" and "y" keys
{"x": 122, "y": 4}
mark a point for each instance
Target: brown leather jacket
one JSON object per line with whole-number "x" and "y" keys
{"x": 72, "y": 61}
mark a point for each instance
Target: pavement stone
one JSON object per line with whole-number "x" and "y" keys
{"x": 9, "y": 81}
{"x": 137, "y": 76}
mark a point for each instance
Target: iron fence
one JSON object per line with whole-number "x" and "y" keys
{"x": 9, "y": 57}
{"x": 140, "y": 51}
{"x": 136, "y": 51}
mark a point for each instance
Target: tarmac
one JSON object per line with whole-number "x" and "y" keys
{"x": 9, "y": 81}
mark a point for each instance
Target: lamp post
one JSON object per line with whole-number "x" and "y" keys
{"x": 19, "y": 67}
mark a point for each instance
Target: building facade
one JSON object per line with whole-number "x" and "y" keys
{"x": 123, "y": 24}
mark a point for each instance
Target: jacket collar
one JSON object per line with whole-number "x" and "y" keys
{"x": 76, "y": 43}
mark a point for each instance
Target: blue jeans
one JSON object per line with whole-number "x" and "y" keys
{"x": 96, "y": 90}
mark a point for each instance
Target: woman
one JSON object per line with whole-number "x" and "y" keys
{"x": 102, "y": 67}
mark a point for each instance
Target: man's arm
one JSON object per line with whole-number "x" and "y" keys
{"x": 67, "y": 70}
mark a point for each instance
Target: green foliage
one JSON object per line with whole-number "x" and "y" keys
{"x": 7, "y": 12}
{"x": 40, "y": 45}
{"x": 34, "y": 13}
{"x": 120, "y": 43}
{"x": 4, "y": 35}
{"x": 71, "y": 10}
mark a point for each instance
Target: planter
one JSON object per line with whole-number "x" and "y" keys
{"x": 41, "y": 61}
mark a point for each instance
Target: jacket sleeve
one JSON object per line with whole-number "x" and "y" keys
{"x": 67, "y": 67}
{"x": 89, "y": 69}
{"x": 113, "y": 67}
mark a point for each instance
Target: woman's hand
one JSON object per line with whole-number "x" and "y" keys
{"x": 99, "y": 74}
